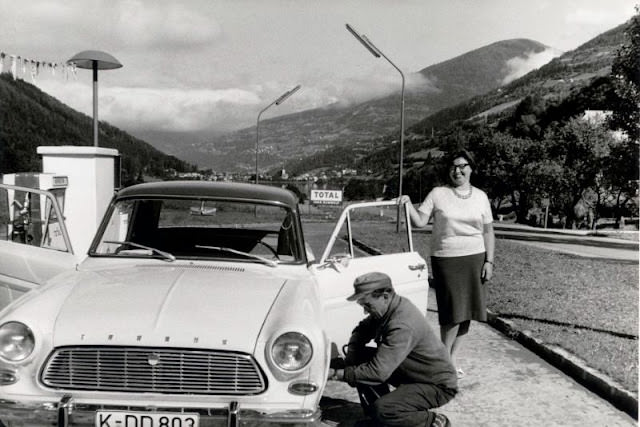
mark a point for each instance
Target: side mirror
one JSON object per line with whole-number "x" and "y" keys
{"x": 339, "y": 261}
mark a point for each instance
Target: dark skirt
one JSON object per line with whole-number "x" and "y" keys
{"x": 460, "y": 293}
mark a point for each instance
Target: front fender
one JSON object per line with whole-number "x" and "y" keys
{"x": 297, "y": 309}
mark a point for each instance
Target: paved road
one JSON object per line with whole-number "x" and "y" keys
{"x": 567, "y": 241}
{"x": 505, "y": 384}
{"x": 574, "y": 242}
{"x": 620, "y": 254}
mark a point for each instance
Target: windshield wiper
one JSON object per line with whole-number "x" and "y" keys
{"x": 163, "y": 254}
{"x": 233, "y": 251}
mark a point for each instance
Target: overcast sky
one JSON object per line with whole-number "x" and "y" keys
{"x": 212, "y": 65}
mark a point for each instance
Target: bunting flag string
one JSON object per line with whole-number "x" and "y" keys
{"x": 16, "y": 63}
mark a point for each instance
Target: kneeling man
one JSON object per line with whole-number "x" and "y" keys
{"x": 408, "y": 356}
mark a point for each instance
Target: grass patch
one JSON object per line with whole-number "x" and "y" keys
{"x": 561, "y": 299}
{"x": 611, "y": 355}
{"x": 532, "y": 282}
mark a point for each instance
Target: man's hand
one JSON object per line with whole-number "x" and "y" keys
{"x": 332, "y": 373}
{"x": 336, "y": 374}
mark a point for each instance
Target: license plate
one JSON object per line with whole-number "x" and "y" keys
{"x": 145, "y": 419}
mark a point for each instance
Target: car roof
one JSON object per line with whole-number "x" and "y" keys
{"x": 222, "y": 190}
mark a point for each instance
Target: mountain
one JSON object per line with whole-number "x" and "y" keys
{"x": 297, "y": 136}
{"x": 30, "y": 118}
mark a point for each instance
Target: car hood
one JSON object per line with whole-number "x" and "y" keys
{"x": 178, "y": 306}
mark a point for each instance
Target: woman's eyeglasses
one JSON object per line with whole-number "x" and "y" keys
{"x": 460, "y": 167}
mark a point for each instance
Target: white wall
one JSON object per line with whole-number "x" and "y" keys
{"x": 91, "y": 185}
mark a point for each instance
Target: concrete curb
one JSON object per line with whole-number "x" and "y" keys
{"x": 593, "y": 380}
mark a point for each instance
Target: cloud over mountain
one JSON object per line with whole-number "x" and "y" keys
{"x": 521, "y": 65}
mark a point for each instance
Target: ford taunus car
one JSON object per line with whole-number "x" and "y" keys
{"x": 198, "y": 303}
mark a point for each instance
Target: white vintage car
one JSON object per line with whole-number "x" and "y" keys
{"x": 198, "y": 303}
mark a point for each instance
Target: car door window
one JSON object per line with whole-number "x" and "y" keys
{"x": 359, "y": 233}
{"x": 32, "y": 217}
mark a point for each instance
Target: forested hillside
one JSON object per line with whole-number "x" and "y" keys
{"x": 30, "y": 118}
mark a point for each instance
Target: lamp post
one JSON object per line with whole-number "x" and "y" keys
{"x": 95, "y": 60}
{"x": 378, "y": 53}
{"x": 278, "y": 101}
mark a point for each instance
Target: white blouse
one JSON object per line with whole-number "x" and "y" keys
{"x": 458, "y": 224}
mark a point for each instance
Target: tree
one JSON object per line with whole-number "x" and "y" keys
{"x": 543, "y": 182}
{"x": 626, "y": 117}
{"x": 626, "y": 72}
{"x": 526, "y": 117}
{"x": 362, "y": 189}
{"x": 299, "y": 194}
{"x": 419, "y": 181}
{"x": 500, "y": 162}
{"x": 582, "y": 149}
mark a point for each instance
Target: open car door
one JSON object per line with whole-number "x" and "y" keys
{"x": 352, "y": 251}
{"x": 34, "y": 243}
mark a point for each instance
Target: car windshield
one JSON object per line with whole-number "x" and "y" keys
{"x": 170, "y": 229}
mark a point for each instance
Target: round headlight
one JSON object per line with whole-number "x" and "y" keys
{"x": 291, "y": 351}
{"x": 16, "y": 341}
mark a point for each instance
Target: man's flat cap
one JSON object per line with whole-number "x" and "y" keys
{"x": 368, "y": 283}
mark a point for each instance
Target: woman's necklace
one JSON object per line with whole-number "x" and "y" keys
{"x": 462, "y": 196}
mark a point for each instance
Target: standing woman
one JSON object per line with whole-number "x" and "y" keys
{"x": 462, "y": 249}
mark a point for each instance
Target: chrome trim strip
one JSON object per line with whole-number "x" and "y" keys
{"x": 50, "y": 412}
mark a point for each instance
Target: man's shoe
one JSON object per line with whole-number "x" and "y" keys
{"x": 441, "y": 420}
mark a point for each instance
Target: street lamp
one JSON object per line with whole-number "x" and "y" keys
{"x": 95, "y": 60}
{"x": 378, "y": 53}
{"x": 278, "y": 101}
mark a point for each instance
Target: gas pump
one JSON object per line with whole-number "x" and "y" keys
{"x": 32, "y": 218}
{"x": 20, "y": 216}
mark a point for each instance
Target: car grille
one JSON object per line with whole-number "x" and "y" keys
{"x": 156, "y": 370}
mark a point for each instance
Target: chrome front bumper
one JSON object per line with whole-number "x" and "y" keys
{"x": 67, "y": 413}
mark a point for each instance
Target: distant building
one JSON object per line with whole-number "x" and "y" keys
{"x": 190, "y": 175}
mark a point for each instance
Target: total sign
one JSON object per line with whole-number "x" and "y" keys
{"x": 326, "y": 197}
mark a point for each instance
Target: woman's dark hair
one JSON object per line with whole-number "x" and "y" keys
{"x": 449, "y": 158}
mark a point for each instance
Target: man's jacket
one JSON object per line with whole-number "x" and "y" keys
{"x": 408, "y": 351}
